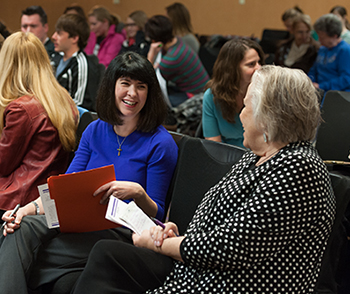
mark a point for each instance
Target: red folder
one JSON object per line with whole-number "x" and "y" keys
{"x": 77, "y": 209}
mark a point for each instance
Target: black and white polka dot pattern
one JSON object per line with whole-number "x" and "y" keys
{"x": 260, "y": 230}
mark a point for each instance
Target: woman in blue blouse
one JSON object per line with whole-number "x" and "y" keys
{"x": 127, "y": 134}
{"x": 222, "y": 102}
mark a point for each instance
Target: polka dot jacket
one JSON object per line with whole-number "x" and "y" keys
{"x": 261, "y": 229}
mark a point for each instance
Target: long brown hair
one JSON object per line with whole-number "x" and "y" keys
{"x": 180, "y": 18}
{"x": 226, "y": 79}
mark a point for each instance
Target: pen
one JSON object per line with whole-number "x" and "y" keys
{"x": 159, "y": 223}
{"x": 11, "y": 215}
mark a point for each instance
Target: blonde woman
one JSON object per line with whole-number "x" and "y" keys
{"x": 136, "y": 39}
{"x": 300, "y": 50}
{"x": 38, "y": 120}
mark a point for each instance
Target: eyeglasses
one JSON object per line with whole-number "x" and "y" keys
{"x": 129, "y": 24}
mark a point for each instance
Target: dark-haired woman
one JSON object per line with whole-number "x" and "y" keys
{"x": 223, "y": 100}
{"x": 130, "y": 136}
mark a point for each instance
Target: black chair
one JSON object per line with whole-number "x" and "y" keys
{"x": 86, "y": 118}
{"x": 201, "y": 164}
{"x": 271, "y": 38}
{"x": 334, "y": 262}
{"x": 209, "y": 52}
{"x": 333, "y": 137}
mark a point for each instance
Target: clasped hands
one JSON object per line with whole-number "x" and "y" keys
{"x": 155, "y": 236}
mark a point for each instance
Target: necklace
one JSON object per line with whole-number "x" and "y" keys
{"x": 268, "y": 157}
{"x": 120, "y": 144}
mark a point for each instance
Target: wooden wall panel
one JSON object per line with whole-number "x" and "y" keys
{"x": 227, "y": 17}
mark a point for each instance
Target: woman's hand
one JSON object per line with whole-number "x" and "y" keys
{"x": 155, "y": 236}
{"x": 13, "y": 223}
{"x": 161, "y": 240}
{"x": 122, "y": 190}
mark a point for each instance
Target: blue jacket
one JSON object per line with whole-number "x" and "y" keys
{"x": 331, "y": 69}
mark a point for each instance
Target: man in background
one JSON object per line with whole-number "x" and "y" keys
{"x": 34, "y": 20}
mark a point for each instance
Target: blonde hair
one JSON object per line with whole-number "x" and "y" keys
{"x": 180, "y": 19}
{"x": 285, "y": 104}
{"x": 25, "y": 70}
{"x": 140, "y": 18}
{"x": 302, "y": 18}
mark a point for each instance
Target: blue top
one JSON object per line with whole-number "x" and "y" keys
{"x": 146, "y": 158}
{"x": 331, "y": 69}
{"x": 214, "y": 124}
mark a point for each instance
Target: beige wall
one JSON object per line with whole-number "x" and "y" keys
{"x": 227, "y": 17}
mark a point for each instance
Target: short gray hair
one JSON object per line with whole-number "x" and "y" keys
{"x": 285, "y": 104}
{"x": 330, "y": 24}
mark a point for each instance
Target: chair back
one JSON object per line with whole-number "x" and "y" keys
{"x": 333, "y": 136}
{"x": 201, "y": 164}
{"x": 330, "y": 275}
{"x": 271, "y": 38}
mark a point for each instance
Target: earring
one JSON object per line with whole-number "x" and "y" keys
{"x": 265, "y": 137}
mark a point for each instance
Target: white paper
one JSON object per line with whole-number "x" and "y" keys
{"x": 49, "y": 207}
{"x": 128, "y": 215}
{"x": 113, "y": 210}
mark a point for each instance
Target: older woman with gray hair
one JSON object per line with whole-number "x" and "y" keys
{"x": 331, "y": 70}
{"x": 262, "y": 229}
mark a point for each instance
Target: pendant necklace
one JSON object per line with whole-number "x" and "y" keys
{"x": 120, "y": 144}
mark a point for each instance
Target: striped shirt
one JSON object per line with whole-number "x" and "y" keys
{"x": 182, "y": 66}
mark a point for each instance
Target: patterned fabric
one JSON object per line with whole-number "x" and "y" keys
{"x": 260, "y": 229}
{"x": 188, "y": 115}
{"x": 182, "y": 66}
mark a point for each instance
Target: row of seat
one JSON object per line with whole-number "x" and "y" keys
{"x": 202, "y": 163}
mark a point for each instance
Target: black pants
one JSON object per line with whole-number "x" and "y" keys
{"x": 119, "y": 267}
{"x": 35, "y": 256}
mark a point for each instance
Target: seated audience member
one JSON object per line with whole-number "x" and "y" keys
{"x": 182, "y": 27}
{"x": 34, "y": 20}
{"x": 288, "y": 16}
{"x": 75, "y": 9}
{"x": 131, "y": 109}
{"x": 331, "y": 70}
{"x": 37, "y": 131}
{"x": 287, "y": 19}
{"x": 134, "y": 27}
{"x": 223, "y": 101}
{"x": 300, "y": 51}
{"x": 179, "y": 64}
{"x": 341, "y": 12}
{"x": 78, "y": 73}
{"x": 262, "y": 229}
{"x": 104, "y": 42}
